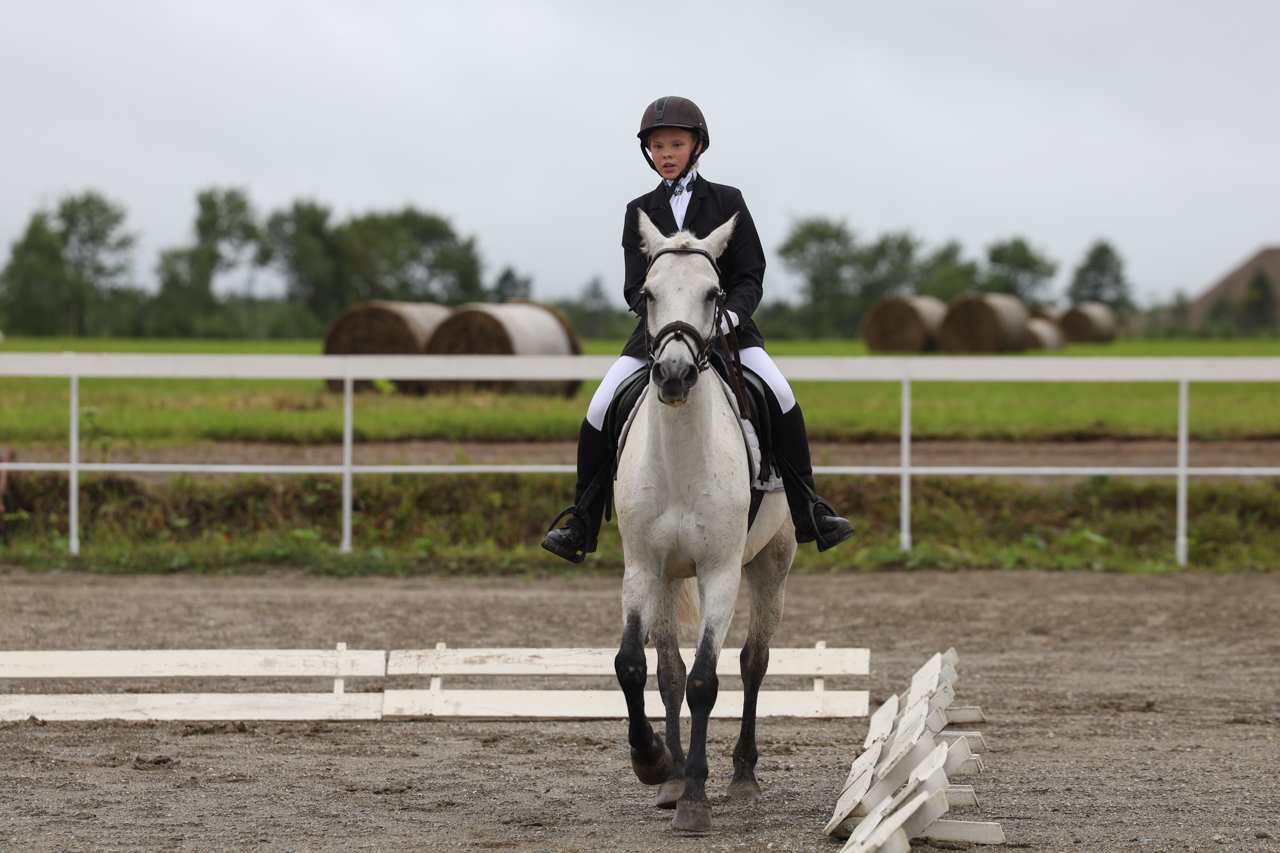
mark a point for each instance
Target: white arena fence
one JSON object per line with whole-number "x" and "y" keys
{"x": 903, "y": 370}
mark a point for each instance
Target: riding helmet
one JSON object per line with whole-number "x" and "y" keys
{"x": 672, "y": 111}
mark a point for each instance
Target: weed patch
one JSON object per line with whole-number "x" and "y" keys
{"x": 474, "y": 524}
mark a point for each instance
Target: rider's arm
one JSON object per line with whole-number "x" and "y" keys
{"x": 636, "y": 263}
{"x": 742, "y": 265}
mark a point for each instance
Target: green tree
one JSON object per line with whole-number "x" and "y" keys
{"x": 408, "y": 255}
{"x": 65, "y": 264}
{"x": 1256, "y": 310}
{"x": 34, "y": 287}
{"x": 1100, "y": 278}
{"x": 821, "y": 252}
{"x": 227, "y": 236}
{"x": 879, "y": 270}
{"x": 946, "y": 275}
{"x": 307, "y": 252}
{"x": 594, "y": 316}
{"x": 511, "y": 285}
{"x": 1014, "y": 267}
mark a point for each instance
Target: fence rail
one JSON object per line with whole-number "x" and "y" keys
{"x": 903, "y": 370}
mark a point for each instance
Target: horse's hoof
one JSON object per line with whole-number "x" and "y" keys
{"x": 745, "y": 789}
{"x": 670, "y": 792}
{"x": 692, "y": 817}
{"x": 653, "y": 772}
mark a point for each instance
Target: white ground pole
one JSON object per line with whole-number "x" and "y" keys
{"x": 1184, "y": 405}
{"x": 904, "y": 537}
{"x": 904, "y": 370}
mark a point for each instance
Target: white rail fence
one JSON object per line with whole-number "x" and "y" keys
{"x": 904, "y": 370}
{"x": 519, "y": 665}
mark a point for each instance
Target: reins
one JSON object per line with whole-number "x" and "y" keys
{"x": 700, "y": 347}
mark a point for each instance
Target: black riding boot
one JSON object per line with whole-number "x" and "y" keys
{"x": 578, "y": 537}
{"x": 814, "y": 518}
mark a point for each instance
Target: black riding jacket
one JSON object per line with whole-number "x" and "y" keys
{"x": 741, "y": 265}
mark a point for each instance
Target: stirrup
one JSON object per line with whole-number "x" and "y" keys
{"x": 577, "y": 528}
{"x": 826, "y": 543}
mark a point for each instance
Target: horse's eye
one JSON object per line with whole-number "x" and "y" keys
{"x": 713, "y": 295}
{"x": 648, "y": 296}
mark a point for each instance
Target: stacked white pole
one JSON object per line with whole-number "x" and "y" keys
{"x": 899, "y": 787}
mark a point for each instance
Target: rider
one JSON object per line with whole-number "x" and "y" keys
{"x": 673, "y": 134}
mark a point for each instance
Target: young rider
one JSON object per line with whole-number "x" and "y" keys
{"x": 673, "y": 134}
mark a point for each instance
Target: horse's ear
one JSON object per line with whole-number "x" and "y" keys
{"x": 650, "y": 236}
{"x": 718, "y": 239}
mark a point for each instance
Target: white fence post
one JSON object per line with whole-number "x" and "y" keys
{"x": 1180, "y": 546}
{"x": 347, "y": 431}
{"x": 904, "y": 537}
{"x": 73, "y": 475}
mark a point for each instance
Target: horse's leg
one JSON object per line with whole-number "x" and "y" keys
{"x": 766, "y": 577}
{"x": 671, "y": 676}
{"x": 719, "y": 589}
{"x": 641, "y": 595}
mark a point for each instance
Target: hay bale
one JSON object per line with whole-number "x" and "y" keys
{"x": 910, "y": 324}
{"x": 1090, "y": 323}
{"x": 378, "y": 327}
{"x": 984, "y": 322}
{"x": 512, "y": 328}
{"x": 1043, "y": 334}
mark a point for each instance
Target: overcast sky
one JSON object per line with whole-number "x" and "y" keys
{"x": 1152, "y": 124}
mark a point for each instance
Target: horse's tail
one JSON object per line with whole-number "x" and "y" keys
{"x": 687, "y": 609}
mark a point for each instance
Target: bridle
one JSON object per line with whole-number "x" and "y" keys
{"x": 700, "y": 347}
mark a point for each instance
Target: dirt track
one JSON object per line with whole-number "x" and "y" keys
{"x": 1124, "y": 713}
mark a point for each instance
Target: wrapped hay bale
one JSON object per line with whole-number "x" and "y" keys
{"x": 1090, "y": 323}
{"x": 512, "y": 328}
{"x": 984, "y": 322}
{"x": 910, "y": 324}
{"x": 378, "y": 327}
{"x": 1043, "y": 334}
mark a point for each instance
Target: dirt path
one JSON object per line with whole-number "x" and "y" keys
{"x": 1109, "y": 452}
{"x": 1125, "y": 713}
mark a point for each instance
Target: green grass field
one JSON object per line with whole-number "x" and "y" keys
{"x": 121, "y": 413}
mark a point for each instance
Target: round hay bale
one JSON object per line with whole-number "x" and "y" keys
{"x": 378, "y": 327}
{"x": 1043, "y": 334}
{"x": 984, "y": 322}
{"x": 910, "y": 324}
{"x": 1090, "y": 323}
{"x": 512, "y": 328}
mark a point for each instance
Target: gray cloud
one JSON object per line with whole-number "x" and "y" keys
{"x": 1150, "y": 123}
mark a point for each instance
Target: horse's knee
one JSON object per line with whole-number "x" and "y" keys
{"x": 702, "y": 687}
{"x": 629, "y": 664}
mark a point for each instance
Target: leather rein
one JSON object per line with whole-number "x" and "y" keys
{"x": 700, "y": 347}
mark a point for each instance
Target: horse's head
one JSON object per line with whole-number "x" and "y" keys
{"x": 683, "y": 304}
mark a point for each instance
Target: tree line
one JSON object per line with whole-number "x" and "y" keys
{"x": 69, "y": 272}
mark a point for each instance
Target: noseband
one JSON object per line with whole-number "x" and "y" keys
{"x": 700, "y": 347}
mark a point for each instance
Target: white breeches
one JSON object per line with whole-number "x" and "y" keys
{"x": 753, "y": 357}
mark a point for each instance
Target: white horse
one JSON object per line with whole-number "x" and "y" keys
{"x": 683, "y": 493}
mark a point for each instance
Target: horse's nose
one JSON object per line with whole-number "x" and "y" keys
{"x": 674, "y": 381}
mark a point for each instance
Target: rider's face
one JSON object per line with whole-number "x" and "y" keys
{"x": 671, "y": 149}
